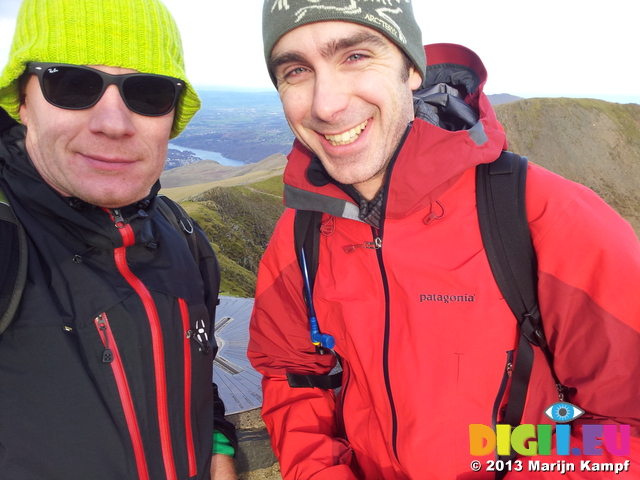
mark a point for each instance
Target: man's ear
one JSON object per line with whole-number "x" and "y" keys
{"x": 24, "y": 117}
{"x": 415, "y": 80}
{"x": 23, "y": 83}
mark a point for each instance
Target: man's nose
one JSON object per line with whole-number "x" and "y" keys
{"x": 111, "y": 116}
{"x": 330, "y": 95}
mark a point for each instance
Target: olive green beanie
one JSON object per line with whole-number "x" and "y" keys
{"x": 137, "y": 34}
{"x": 392, "y": 18}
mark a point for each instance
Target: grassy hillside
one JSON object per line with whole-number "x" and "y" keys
{"x": 591, "y": 142}
{"x": 196, "y": 178}
{"x": 239, "y": 221}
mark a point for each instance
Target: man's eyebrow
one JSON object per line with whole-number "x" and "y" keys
{"x": 329, "y": 50}
{"x": 283, "y": 59}
{"x": 363, "y": 38}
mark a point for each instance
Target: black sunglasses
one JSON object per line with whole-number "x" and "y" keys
{"x": 75, "y": 87}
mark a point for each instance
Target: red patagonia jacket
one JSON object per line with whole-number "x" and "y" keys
{"x": 423, "y": 332}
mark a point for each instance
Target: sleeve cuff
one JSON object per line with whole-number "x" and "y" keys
{"x": 222, "y": 445}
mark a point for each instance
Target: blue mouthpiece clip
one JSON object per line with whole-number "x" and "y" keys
{"x": 322, "y": 339}
{"x": 318, "y": 338}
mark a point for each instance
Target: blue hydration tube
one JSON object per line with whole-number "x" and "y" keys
{"x": 317, "y": 338}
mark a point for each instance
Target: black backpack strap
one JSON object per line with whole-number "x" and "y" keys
{"x": 505, "y": 233}
{"x": 500, "y": 197}
{"x": 306, "y": 234}
{"x": 180, "y": 220}
{"x": 13, "y": 262}
{"x": 326, "y": 382}
{"x": 500, "y": 192}
{"x": 183, "y": 223}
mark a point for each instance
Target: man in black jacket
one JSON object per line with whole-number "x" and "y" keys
{"x": 106, "y": 368}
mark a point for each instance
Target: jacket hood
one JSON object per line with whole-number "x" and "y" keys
{"x": 455, "y": 128}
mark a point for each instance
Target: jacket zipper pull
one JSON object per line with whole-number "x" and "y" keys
{"x": 107, "y": 354}
{"x": 375, "y": 245}
{"x": 509, "y": 372}
{"x": 118, "y": 218}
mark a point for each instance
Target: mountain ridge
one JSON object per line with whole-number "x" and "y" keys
{"x": 592, "y": 142}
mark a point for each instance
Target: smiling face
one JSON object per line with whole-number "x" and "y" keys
{"x": 347, "y": 96}
{"x": 105, "y": 155}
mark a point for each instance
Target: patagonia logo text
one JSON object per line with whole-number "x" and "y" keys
{"x": 448, "y": 298}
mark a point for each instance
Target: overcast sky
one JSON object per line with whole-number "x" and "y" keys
{"x": 546, "y": 48}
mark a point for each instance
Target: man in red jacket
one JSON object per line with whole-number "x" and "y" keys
{"x": 386, "y": 148}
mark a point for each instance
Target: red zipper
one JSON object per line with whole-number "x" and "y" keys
{"x": 112, "y": 355}
{"x": 184, "y": 312}
{"x": 120, "y": 255}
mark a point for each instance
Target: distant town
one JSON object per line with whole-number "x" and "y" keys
{"x": 242, "y": 126}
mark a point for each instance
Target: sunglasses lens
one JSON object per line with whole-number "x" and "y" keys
{"x": 71, "y": 87}
{"x": 149, "y": 95}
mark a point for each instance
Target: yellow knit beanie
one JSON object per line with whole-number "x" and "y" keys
{"x": 136, "y": 34}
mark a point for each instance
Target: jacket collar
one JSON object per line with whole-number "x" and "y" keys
{"x": 38, "y": 206}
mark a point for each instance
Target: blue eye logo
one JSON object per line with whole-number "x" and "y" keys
{"x": 563, "y": 412}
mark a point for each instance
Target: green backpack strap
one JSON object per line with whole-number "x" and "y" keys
{"x": 13, "y": 262}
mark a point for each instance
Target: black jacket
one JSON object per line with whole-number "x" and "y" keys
{"x": 101, "y": 374}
